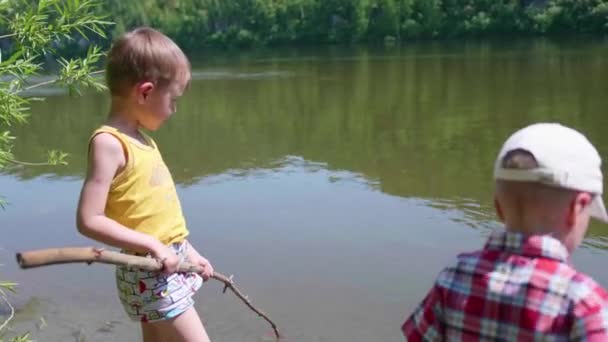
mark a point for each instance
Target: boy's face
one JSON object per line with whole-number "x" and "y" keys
{"x": 158, "y": 103}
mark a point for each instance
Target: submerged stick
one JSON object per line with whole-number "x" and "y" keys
{"x": 89, "y": 255}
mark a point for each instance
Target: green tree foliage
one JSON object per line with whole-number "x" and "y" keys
{"x": 32, "y": 33}
{"x": 199, "y": 23}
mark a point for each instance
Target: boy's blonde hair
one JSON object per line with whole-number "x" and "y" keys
{"x": 145, "y": 54}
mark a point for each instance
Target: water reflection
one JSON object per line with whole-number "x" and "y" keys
{"x": 472, "y": 213}
{"x": 421, "y": 121}
{"x": 333, "y": 181}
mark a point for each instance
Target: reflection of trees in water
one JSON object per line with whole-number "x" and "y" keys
{"x": 470, "y": 212}
{"x": 424, "y": 121}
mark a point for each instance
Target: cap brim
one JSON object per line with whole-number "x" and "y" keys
{"x": 598, "y": 209}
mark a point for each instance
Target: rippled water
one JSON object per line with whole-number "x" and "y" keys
{"x": 333, "y": 183}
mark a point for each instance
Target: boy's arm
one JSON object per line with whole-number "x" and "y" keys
{"x": 424, "y": 324}
{"x": 106, "y": 158}
{"x": 592, "y": 326}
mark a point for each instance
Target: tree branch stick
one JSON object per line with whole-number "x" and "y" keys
{"x": 41, "y": 84}
{"x": 8, "y": 35}
{"x": 33, "y": 86}
{"x": 12, "y": 314}
{"x": 55, "y": 256}
{"x": 22, "y": 163}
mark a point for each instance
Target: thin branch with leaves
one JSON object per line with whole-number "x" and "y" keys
{"x": 7, "y": 286}
{"x": 35, "y": 31}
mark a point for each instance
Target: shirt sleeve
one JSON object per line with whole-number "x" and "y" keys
{"x": 425, "y": 323}
{"x": 593, "y": 326}
{"x": 590, "y": 321}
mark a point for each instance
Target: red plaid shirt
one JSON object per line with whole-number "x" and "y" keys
{"x": 518, "y": 288}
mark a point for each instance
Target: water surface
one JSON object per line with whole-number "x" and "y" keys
{"x": 334, "y": 183}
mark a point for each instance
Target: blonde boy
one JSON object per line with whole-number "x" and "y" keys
{"x": 128, "y": 198}
{"x": 521, "y": 286}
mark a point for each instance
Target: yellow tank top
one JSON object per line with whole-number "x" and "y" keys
{"x": 143, "y": 196}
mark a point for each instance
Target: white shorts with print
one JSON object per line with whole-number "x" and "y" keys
{"x": 152, "y": 296}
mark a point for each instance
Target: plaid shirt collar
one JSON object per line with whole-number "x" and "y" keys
{"x": 534, "y": 246}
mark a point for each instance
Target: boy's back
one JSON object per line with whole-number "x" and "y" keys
{"x": 517, "y": 288}
{"x": 521, "y": 286}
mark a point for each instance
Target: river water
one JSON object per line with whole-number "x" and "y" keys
{"x": 333, "y": 183}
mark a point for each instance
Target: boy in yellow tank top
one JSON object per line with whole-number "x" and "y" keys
{"x": 128, "y": 199}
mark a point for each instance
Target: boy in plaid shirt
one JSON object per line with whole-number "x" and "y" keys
{"x": 521, "y": 285}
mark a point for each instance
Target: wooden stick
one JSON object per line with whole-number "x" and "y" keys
{"x": 89, "y": 255}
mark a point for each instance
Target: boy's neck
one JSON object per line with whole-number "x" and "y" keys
{"x": 528, "y": 230}
{"x": 121, "y": 116}
{"x": 531, "y": 220}
{"x": 540, "y": 228}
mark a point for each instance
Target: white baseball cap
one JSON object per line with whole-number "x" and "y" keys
{"x": 565, "y": 158}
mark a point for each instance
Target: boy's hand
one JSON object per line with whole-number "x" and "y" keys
{"x": 168, "y": 258}
{"x": 205, "y": 264}
{"x": 194, "y": 257}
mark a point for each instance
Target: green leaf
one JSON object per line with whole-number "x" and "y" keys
{"x": 7, "y": 285}
{"x": 13, "y": 58}
{"x": 22, "y": 338}
{"x": 57, "y": 158}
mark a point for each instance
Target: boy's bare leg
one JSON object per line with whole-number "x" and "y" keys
{"x": 186, "y": 327}
{"x": 148, "y": 332}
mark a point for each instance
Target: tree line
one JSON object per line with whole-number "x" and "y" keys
{"x": 202, "y": 23}
{"x": 198, "y": 24}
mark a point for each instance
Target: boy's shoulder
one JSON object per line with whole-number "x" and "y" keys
{"x": 560, "y": 279}
{"x": 105, "y": 141}
{"x": 457, "y": 275}
{"x": 586, "y": 294}
{"x": 106, "y": 146}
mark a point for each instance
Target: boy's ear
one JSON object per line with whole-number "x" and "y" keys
{"x": 577, "y": 206}
{"x": 498, "y": 208}
{"x": 143, "y": 90}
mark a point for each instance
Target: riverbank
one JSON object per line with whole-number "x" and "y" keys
{"x": 252, "y": 23}
{"x": 245, "y": 24}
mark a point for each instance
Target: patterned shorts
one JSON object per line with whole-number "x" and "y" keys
{"x": 151, "y": 296}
